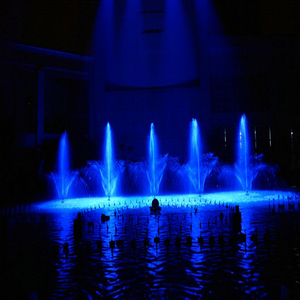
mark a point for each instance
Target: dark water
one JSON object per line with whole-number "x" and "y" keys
{"x": 34, "y": 259}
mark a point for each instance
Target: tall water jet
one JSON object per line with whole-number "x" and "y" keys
{"x": 107, "y": 171}
{"x": 199, "y": 165}
{"x": 247, "y": 167}
{"x": 63, "y": 178}
{"x": 195, "y": 154}
{"x": 242, "y": 166}
{"x": 156, "y": 164}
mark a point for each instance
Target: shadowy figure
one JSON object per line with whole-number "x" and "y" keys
{"x": 155, "y": 208}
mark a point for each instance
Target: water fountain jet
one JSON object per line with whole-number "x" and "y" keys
{"x": 247, "y": 167}
{"x": 156, "y": 164}
{"x": 199, "y": 165}
{"x": 109, "y": 169}
{"x": 242, "y": 166}
{"x": 63, "y": 178}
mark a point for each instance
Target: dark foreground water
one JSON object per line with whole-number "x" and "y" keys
{"x": 37, "y": 259}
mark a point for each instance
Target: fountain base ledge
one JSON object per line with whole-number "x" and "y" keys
{"x": 174, "y": 200}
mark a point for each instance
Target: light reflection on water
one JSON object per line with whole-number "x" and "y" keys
{"x": 235, "y": 270}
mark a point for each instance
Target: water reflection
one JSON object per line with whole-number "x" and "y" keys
{"x": 223, "y": 266}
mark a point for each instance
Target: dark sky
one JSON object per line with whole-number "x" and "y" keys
{"x": 64, "y": 25}
{"x": 67, "y": 25}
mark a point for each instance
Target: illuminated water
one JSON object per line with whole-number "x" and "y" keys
{"x": 156, "y": 164}
{"x": 248, "y": 168}
{"x": 194, "y": 169}
{"x": 145, "y": 177}
{"x": 242, "y": 167}
{"x": 234, "y": 270}
{"x": 232, "y": 198}
{"x": 224, "y": 266}
{"x": 63, "y": 178}
{"x": 108, "y": 176}
{"x": 106, "y": 172}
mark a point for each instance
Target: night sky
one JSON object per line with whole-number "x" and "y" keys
{"x": 58, "y": 25}
{"x": 68, "y": 25}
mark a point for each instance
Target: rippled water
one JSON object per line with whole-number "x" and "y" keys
{"x": 234, "y": 269}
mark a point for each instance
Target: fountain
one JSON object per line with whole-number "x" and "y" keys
{"x": 158, "y": 235}
{"x": 63, "y": 178}
{"x": 156, "y": 164}
{"x": 194, "y": 170}
{"x": 108, "y": 176}
{"x": 242, "y": 166}
{"x": 247, "y": 167}
{"x": 199, "y": 165}
{"x": 145, "y": 177}
{"x": 109, "y": 169}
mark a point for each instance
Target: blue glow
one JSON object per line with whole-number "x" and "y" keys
{"x": 108, "y": 180}
{"x": 179, "y": 62}
{"x": 248, "y": 167}
{"x": 131, "y": 57}
{"x": 199, "y": 165}
{"x": 195, "y": 154}
{"x": 63, "y": 178}
{"x": 157, "y": 164}
{"x": 105, "y": 31}
{"x": 128, "y": 69}
{"x": 146, "y": 177}
{"x": 242, "y": 167}
{"x": 255, "y": 197}
{"x": 108, "y": 171}
{"x": 113, "y": 271}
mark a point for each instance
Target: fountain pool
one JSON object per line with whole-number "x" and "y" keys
{"x": 186, "y": 252}
{"x": 192, "y": 249}
{"x": 231, "y": 198}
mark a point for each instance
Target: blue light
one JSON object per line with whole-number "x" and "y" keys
{"x": 195, "y": 154}
{"x": 252, "y": 199}
{"x": 200, "y": 165}
{"x": 156, "y": 164}
{"x": 163, "y": 265}
{"x": 109, "y": 169}
{"x": 108, "y": 176}
{"x": 179, "y": 62}
{"x": 243, "y": 160}
{"x": 63, "y": 178}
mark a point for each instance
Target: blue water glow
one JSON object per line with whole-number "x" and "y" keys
{"x": 173, "y": 200}
{"x": 108, "y": 176}
{"x": 248, "y": 168}
{"x": 199, "y": 165}
{"x": 105, "y": 172}
{"x": 145, "y": 177}
{"x": 157, "y": 164}
{"x": 242, "y": 167}
{"x": 63, "y": 178}
{"x": 158, "y": 269}
{"x": 195, "y": 154}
